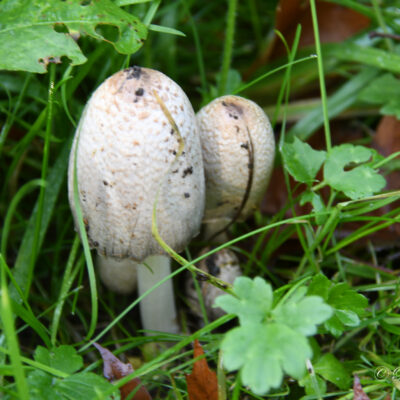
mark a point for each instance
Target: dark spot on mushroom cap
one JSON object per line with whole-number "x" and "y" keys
{"x": 212, "y": 267}
{"x": 187, "y": 171}
{"x": 175, "y": 171}
{"x": 245, "y": 145}
{"x": 139, "y": 92}
{"x": 233, "y": 108}
{"x": 187, "y": 195}
{"x": 172, "y": 132}
{"x": 134, "y": 72}
{"x": 105, "y": 183}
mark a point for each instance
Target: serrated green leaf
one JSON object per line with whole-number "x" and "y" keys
{"x": 253, "y": 301}
{"x": 265, "y": 352}
{"x": 343, "y": 297}
{"x": 319, "y": 286}
{"x": 303, "y": 315}
{"x": 348, "y": 305}
{"x": 361, "y": 181}
{"x": 330, "y": 368}
{"x": 28, "y": 40}
{"x": 302, "y": 161}
{"x": 63, "y": 358}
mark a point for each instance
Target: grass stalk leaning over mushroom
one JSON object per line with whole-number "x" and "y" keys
{"x": 126, "y": 146}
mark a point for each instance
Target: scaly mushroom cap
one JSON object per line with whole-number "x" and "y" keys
{"x": 238, "y": 144}
{"x": 126, "y": 154}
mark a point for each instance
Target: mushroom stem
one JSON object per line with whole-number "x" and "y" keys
{"x": 157, "y": 309}
{"x": 118, "y": 275}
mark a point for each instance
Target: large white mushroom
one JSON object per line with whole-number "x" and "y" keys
{"x": 238, "y": 154}
{"x": 137, "y": 147}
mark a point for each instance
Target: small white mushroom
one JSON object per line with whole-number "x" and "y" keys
{"x": 238, "y": 153}
{"x": 224, "y": 265}
{"x": 128, "y": 148}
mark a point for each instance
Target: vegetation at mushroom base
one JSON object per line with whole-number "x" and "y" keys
{"x": 332, "y": 239}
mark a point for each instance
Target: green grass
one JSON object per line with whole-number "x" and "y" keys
{"x": 50, "y": 293}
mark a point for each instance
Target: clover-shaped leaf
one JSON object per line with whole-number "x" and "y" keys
{"x": 253, "y": 301}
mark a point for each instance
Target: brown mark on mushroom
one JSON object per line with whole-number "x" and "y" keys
{"x": 134, "y": 72}
{"x": 187, "y": 171}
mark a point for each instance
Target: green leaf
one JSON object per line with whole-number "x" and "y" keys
{"x": 84, "y": 386}
{"x": 347, "y": 304}
{"x": 41, "y": 386}
{"x": 384, "y": 90}
{"x": 330, "y": 368}
{"x": 361, "y": 181}
{"x": 269, "y": 342}
{"x": 302, "y": 161}
{"x": 63, "y": 358}
{"x": 319, "y": 286}
{"x": 377, "y": 58}
{"x": 303, "y": 315}
{"x": 265, "y": 352}
{"x": 29, "y": 42}
{"x": 347, "y": 317}
{"x": 318, "y": 205}
{"x": 253, "y": 301}
{"x": 343, "y": 297}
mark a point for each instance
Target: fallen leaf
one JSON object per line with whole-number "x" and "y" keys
{"x": 115, "y": 369}
{"x": 358, "y": 391}
{"x": 202, "y": 383}
{"x": 336, "y": 23}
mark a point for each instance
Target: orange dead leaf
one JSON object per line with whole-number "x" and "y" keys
{"x": 359, "y": 393}
{"x": 115, "y": 369}
{"x": 202, "y": 383}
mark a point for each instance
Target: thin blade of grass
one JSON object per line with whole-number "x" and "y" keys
{"x": 7, "y": 318}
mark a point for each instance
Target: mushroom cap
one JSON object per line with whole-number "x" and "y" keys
{"x": 127, "y": 155}
{"x": 230, "y": 126}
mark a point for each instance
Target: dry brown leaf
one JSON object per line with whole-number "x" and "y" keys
{"x": 336, "y": 23}
{"x": 115, "y": 369}
{"x": 202, "y": 383}
{"x": 359, "y": 393}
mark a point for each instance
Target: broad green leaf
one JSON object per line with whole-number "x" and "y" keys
{"x": 343, "y": 297}
{"x": 378, "y": 58}
{"x": 63, "y": 358}
{"x": 309, "y": 383}
{"x": 302, "y": 161}
{"x": 330, "y": 368}
{"x": 303, "y": 315}
{"x": 384, "y": 90}
{"x": 265, "y": 352}
{"x": 28, "y": 40}
{"x": 361, "y": 181}
{"x": 253, "y": 301}
{"x": 84, "y": 386}
{"x": 347, "y": 304}
{"x": 347, "y": 317}
{"x": 41, "y": 386}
